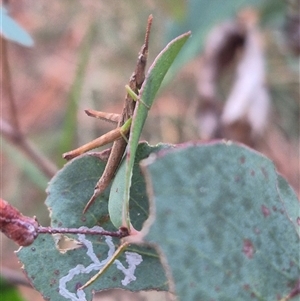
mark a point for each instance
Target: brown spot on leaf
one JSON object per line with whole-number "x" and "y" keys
{"x": 56, "y": 272}
{"x": 295, "y": 291}
{"x": 298, "y": 221}
{"x": 192, "y": 284}
{"x": 242, "y": 159}
{"x": 252, "y": 173}
{"x": 264, "y": 172}
{"x": 265, "y": 211}
{"x": 248, "y": 248}
{"x": 103, "y": 219}
{"x": 256, "y": 231}
{"x": 246, "y": 287}
{"x": 52, "y": 281}
{"x": 278, "y": 297}
{"x": 237, "y": 179}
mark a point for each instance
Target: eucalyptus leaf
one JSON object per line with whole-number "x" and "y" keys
{"x": 222, "y": 223}
{"x": 139, "y": 203}
{"x": 56, "y": 271}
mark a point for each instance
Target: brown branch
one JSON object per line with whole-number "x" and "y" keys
{"x": 7, "y": 85}
{"x": 12, "y": 131}
{"x": 20, "y": 141}
{"x": 49, "y": 230}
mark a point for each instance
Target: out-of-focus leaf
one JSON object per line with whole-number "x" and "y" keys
{"x": 176, "y": 9}
{"x": 9, "y": 292}
{"x": 222, "y": 224}
{"x": 11, "y": 30}
{"x": 203, "y": 15}
{"x": 249, "y": 99}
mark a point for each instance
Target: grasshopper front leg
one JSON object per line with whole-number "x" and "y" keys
{"x": 114, "y": 160}
{"x": 100, "y": 141}
{"x": 105, "y": 139}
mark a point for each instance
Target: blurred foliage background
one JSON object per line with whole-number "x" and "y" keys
{"x": 83, "y": 55}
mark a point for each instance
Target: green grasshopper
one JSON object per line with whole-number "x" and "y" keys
{"x": 119, "y": 135}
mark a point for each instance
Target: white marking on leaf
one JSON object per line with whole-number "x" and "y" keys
{"x": 133, "y": 260}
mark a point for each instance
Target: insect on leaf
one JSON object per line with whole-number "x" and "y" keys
{"x": 58, "y": 272}
{"x": 152, "y": 82}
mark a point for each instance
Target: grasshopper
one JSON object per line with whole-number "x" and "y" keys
{"x": 120, "y": 135}
{"x": 146, "y": 97}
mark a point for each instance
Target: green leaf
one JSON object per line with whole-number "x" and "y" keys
{"x": 58, "y": 274}
{"x": 221, "y": 223}
{"x": 9, "y": 292}
{"x": 153, "y": 80}
{"x": 139, "y": 203}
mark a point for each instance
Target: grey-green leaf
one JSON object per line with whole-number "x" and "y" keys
{"x": 222, "y": 224}
{"x": 57, "y": 274}
{"x": 139, "y": 203}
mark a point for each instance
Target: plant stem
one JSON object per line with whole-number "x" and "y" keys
{"x": 49, "y": 230}
{"x": 13, "y": 131}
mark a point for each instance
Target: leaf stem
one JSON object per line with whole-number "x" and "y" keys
{"x": 49, "y": 230}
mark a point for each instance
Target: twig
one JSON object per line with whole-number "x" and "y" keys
{"x": 7, "y": 85}
{"x": 45, "y": 165}
{"x": 49, "y": 230}
{"x": 13, "y": 131}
